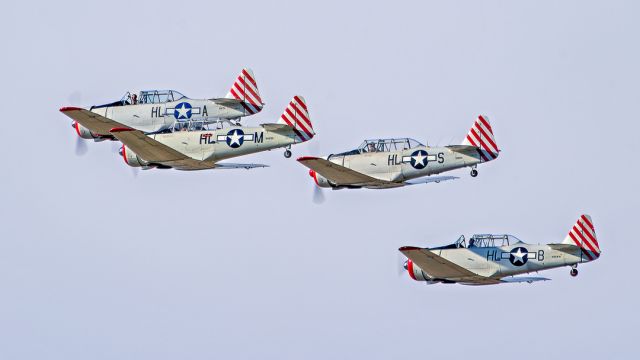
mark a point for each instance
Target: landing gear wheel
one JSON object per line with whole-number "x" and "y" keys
{"x": 474, "y": 172}
{"x": 287, "y": 153}
{"x": 574, "y": 272}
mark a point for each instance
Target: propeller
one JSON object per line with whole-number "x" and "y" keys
{"x": 318, "y": 192}
{"x": 75, "y": 98}
{"x": 81, "y": 146}
{"x": 318, "y": 195}
{"x": 401, "y": 264}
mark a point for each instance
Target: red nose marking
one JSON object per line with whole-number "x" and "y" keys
{"x": 124, "y": 154}
{"x": 410, "y": 269}
{"x": 77, "y": 127}
{"x": 313, "y": 174}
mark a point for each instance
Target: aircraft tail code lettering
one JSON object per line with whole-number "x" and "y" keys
{"x": 296, "y": 115}
{"x": 245, "y": 88}
{"x": 481, "y": 136}
{"x": 583, "y": 235}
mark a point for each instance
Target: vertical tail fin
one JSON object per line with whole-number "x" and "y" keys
{"x": 245, "y": 88}
{"x": 583, "y": 235}
{"x": 481, "y": 136}
{"x": 296, "y": 115}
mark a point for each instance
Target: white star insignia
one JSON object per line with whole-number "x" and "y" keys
{"x": 235, "y": 138}
{"x": 519, "y": 255}
{"x": 183, "y": 111}
{"x": 419, "y": 159}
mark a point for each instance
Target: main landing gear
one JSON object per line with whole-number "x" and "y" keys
{"x": 574, "y": 271}
{"x": 474, "y": 172}
{"x": 287, "y": 152}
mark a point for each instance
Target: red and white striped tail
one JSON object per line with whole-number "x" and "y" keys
{"x": 246, "y": 89}
{"x": 481, "y": 136}
{"x": 583, "y": 235}
{"x": 296, "y": 115}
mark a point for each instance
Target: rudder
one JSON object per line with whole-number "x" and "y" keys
{"x": 583, "y": 235}
{"x": 481, "y": 136}
{"x": 245, "y": 88}
{"x": 296, "y": 115}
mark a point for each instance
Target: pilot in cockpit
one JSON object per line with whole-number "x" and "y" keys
{"x": 371, "y": 147}
{"x": 134, "y": 99}
{"x": 471, "y": 242}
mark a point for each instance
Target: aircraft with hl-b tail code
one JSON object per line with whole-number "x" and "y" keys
{"x": 200, "y": 145}
{"x": 495, "y": 259}
{"x": 390, "y": 163}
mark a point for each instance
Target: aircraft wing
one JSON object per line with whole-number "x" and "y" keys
{"x": 340, "y": 175}
{"x": 440, "y": 268}
{"x": 98, "y": 124}
{"x": 156, "y": 152}
{"x": 430, "y": 179}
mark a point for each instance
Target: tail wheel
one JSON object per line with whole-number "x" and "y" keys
{"x": 474, "y": 172}
{"x": 287, "y": 153}
{"x": 574, "y": 272}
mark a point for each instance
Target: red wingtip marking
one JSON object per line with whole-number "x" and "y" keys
{"x": 404, "y": 248}
{"x": 305, "y": 158}
{"x": 121, "y": 129}
{"x": 70, "y": 108}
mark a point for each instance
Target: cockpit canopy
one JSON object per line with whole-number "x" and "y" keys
{"x": 386, "y": 145}
{"x": 485, "y": 240}
{"x": 152, "y": 97}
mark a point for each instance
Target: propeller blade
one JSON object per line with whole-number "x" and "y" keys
{"x": 318, "y": 195}
{"x": 81, "y": 146}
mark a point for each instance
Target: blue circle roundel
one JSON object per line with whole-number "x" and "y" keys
{"x": 519, "y": 256}
{"x": 419, "y": 159}
{"x": 235, "y": 138}
{"x": 182, "y": 111}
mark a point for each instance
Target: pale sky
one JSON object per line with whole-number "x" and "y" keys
{"x": 96, "y": 263}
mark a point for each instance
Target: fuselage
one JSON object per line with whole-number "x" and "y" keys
{"x": 499, "y": 261}
{"x": 227, "y": 142}
{"x": 402, "y": 165}
{"x": 157, "y": 117}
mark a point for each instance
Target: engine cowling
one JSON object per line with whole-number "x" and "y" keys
{"x": 320, "y": 180}
{"x": 83, "y": 132}
{"x": 132, "y": 159}
{"x": 415, "y": 272}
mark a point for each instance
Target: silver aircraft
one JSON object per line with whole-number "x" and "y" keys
{"x": 495, "y": 259}
{"x": 390, "y": 163}
{"x": 154, "y": 111}
{"x": 198, "y": 145}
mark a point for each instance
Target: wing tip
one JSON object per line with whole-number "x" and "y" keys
{"x": 69, "y": 108}
{"x": 408, "y": 248}
{"x": 119, "y": 129}
{"x": 307, "y": 158}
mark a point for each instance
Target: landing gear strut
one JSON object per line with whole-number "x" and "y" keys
{"x": 574, "y": 271}
{"x": 474, "y": 172}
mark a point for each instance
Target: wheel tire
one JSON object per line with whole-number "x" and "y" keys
{"x": 574, "y": 272}
{"x": 474, "y": 173}
{"x": 287, "y": 154}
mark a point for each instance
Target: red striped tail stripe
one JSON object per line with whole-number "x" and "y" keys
{"x": 481, "y": 136}
{"x": 245, "y": 88}
{"x": 296, "y": 115}
{"x": 583, "y": 235}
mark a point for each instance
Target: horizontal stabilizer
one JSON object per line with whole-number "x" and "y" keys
{"x": 239, "y": 166}
{"x": 277, "y": 127}
{"x": 430, "y": 179}
{"x": 521, "y": 279}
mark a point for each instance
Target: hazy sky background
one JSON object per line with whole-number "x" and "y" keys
{"x": 96, "y": 263}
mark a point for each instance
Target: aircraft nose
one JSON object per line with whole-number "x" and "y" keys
{"x": 312, "y": 173}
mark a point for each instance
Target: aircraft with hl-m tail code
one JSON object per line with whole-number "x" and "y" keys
{"x": 199, "y": 145}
